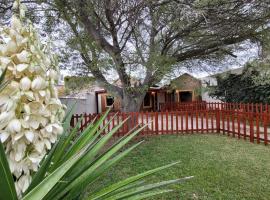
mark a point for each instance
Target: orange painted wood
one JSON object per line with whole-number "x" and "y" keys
{"x": 238, "y": 125}
{"x": 152, "y": 122}
{"x": 245, "y": 126}
{"x": 199, "y": 117}
{"x": 223, "y": 122}
{"x": 172, "y": 122}
{"x": 113, "y": 122}
{"x": 192, "y": 128}
{"x": 265, "y": 136}
{"x": 162, "y": 128}
{"x": 197, "y": 123}
{"x": 156, "y": 124}
{"x": 141, "y": 116}
{"x": 147, "y": 121}
{"x": 233, "y": 126}
{"x": 177, "y": 122}
{"x": 167, "y": 123}
{"x": 258, "y": 128}
{"x": 187, "y": 130}
{"x": 228, "y": 122}
{"x": 202, "y": 127}
{"x": 251, "y": 128}
{"x": 182, "y": 121}
{"x": 217, "y": 112}
{"x": 207, "y": 125}
{"x": 117, "y": 121}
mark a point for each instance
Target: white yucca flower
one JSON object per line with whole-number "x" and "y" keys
{"x": 25, "y": 83}
{"x": 30, "y": 111}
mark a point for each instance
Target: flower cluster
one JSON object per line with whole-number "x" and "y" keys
{"x": 30, "y": 111}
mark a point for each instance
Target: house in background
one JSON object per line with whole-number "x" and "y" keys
{"x": 96, "y": 99}
{"x": 153, "y": 97}
{"x": 185, "y": 88}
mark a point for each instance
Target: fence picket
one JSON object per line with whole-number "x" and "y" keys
{"x": 202, "y": 122}
{"x": 172, "y": 120}
{"x": 236, "y": 119}
{"x": 177, "y": 128}
{"x": 233, "y": 126}
{"x": 251, "y": 128}
{"x": 186, "y": 114}
{"x": 265, "y": 136}
{"x": 238, "y": 125}
{"x": 206, "y": 119}
{"x": 258, "y": 128}
{"x": 245, "y": 126}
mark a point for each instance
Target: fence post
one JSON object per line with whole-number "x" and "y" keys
{"x": 156, "y": 122}
{"x": 72, "y": 124}
{"x": 218, "y": 120}
{"x": 251, "y": 127}
{"x": 265, "y": 128}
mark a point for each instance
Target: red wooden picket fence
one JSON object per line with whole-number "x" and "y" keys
{"x": 252, "y": 126}
{"x": 202, "y": 105}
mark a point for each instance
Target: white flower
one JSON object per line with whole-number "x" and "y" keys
{"x": 15, "y": 5}
{"x": 35, "y": 157}
{"x": 14, "y": 126}
{"x": 21, "y": 67}
{"x": 42, "y": 93}
{"x": 5, "y": 61}
{"x": 39, "y": 146}
{"x": 57, "y": 129}
{"x": 3, "y": 49}
{"x": 4, "y": 118}
{"x": 53, "y": 74}
{"x": 38, "y": 83}
{"x": 15, "y": 23}
{"x": 25, "y": 83}
{"x": 4, "y": 136}
{"x": 30, "y": 111}
{"x": 6, "y": 103}
{"x": 19, "y": 148}
{"x": 29, "y": 135}
{"x": 25, "y": 123}
{"x": 23, "y": 182}
{"x": 23, "y": 57}
{"x": 11, "y": 47}
{"x": 17, "y": 136}
{"x": 29, "y": 95}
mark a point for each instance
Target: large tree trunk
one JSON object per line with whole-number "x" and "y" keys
{"x": 131, "y": 101}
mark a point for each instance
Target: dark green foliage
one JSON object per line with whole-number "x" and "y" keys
{"x": 241, "y": 87}
{"x": 78, "y": 82}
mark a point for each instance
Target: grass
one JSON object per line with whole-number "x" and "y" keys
{"x": 223, "y": 167}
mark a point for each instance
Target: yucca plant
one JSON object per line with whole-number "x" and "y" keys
{"x": 69, "y": 162}
{"x": 76, "y": 162}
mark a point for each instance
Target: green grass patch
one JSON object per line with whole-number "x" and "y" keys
{"x": 223, "y": 167}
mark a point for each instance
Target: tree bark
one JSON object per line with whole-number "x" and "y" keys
{"x": 132, "y": 102}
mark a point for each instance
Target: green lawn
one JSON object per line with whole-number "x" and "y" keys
{"x": 223, "y": 167}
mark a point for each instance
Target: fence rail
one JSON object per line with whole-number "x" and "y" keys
{"x": 202, "y": 105}
{"x": 252, "y": 126}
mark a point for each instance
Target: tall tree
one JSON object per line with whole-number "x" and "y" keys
{"x": 152, "y": 37}
{"x": 251, "y": 86}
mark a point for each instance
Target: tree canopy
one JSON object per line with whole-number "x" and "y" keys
{"x": 151, "y": 38}
{"x": 251, "y": 86}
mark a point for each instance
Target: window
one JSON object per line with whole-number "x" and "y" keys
{"x": 147, "y": 100}
{"x": 109, "y": 101}
{"x": 185, "y": 96}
